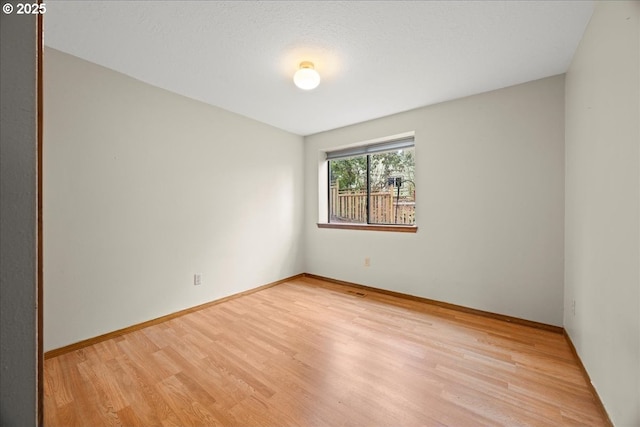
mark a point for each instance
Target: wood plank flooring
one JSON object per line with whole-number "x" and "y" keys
{"x": 313, "y": 353}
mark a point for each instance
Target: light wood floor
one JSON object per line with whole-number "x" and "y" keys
{"x": 312, "y": 353}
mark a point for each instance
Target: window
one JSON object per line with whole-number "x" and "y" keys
{"x": 373, "y": 184}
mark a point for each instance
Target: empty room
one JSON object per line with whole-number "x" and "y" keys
{"x": 322, "y": 213}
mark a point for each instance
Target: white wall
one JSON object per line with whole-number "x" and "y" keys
{"x": 602, "y": 256}
{"x": 18, "y": 240}
{"x": 144, "y": 188}
{"x": 490, "y": 205}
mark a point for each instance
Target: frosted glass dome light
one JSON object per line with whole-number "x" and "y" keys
{"x": 306, "y": 77}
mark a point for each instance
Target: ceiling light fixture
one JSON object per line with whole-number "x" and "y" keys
{"x": 306, "y": 77}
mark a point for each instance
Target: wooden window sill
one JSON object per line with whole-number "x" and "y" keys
{"x": 371, "y": 227}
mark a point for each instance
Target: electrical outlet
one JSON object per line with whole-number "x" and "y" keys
{"x": 197, "y": 279}
{"x": 573, "y": 307}
{"x": 367, "y": 262}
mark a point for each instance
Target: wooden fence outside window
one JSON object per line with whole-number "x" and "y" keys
{"x": 349, "y": 206}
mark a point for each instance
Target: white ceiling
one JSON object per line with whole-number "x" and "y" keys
{"x": 375, "y": 58}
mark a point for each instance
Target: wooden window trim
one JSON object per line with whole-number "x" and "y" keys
{"x": 370, "y": 227}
